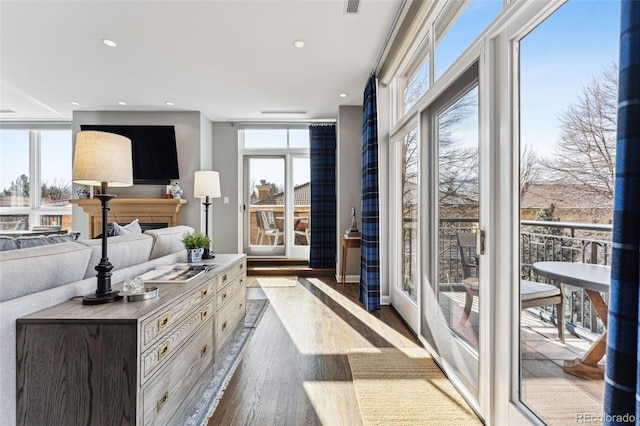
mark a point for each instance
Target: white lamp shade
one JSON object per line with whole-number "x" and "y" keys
{"x": 207, "y": 183}
{"x": 102, "y": 157}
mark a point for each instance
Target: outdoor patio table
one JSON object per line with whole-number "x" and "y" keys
{"x": 594, "y": 279}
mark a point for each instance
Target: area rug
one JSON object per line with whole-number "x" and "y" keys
{"x": 405, "y": 387}
{"x": 285, "y": 281}
{"x": 224, "y": 372}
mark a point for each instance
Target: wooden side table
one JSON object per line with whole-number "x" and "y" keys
{"x": 347, "y": 242}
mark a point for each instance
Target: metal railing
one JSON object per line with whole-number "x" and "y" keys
{"x": 539, "y": 241}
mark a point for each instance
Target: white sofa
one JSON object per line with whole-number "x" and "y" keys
{"x": 32, "y": 279}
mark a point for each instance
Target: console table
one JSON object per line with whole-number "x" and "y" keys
{"x": 142, "y": 363}
{"x": 125, "y": 210}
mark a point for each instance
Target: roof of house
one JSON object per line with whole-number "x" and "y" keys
{"x": 562, "y": 195}
{"x": 301, "y": 196}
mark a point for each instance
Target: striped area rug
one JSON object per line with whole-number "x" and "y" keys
{"x": 405, "y": 387}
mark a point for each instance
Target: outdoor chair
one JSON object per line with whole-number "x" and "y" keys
{"x": 270, "y": 226}
{"x": 532, "y": 293}
{"x": 305, "y": 230}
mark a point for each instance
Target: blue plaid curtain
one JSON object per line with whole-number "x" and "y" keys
{"x": 622, "y": 382}
{"x": 369, "y": 293}
{"x": 323, "y": 196}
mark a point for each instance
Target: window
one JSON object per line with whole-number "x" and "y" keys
{"x": 35, "y": 178}
{"x": 453, "y": 36}
{"x": 275, "y": 138}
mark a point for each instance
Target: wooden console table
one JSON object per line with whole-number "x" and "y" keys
{"x": 125, "y": 210}
{"x": 135, "y": 363}
{"x": 347, "y": 242}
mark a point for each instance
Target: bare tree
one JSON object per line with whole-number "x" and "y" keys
{"x": 585, "y": 152}
{"x": 530, "y": 170}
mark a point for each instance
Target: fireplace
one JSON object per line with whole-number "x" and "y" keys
{"x": 152, "y": 213}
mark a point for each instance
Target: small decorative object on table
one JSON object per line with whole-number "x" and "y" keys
{"x": 353, "y": 232}
{"x": 195, "y": 243}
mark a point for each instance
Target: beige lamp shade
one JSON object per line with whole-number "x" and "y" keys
{"x": 102, "y": 157}
{"x": 207, "y": 183}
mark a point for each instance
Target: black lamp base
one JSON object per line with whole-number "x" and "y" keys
{"x": 94, "y": 299}
{"x": 208, "y": 254}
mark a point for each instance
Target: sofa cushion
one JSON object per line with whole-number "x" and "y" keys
{"x": 122, "y": 251}
{"x": 167, "y": 240}
{"x": 36, "y": 269}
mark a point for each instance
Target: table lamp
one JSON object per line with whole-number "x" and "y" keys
{"x": 102, "y": 159}
{"x": 207, "y": 185}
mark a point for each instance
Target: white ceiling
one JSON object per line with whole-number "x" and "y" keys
{"x": 231, "y": 60}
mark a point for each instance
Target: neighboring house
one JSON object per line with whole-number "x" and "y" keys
{"x": 572, "y": 203}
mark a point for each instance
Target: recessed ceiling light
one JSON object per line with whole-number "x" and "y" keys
{"x": 169, "y": 103}
{"x": 109, "y": 43}
{"x": 298, "y": 44}
{"x": 122, "y": 103}
{"x": 343, "y": 95}
{"x": 74, "y": 102}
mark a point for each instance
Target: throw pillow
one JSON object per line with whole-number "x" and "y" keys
{"x": 27, "y": 242}
{"x": 8, "y": 243}
{"x": 131, "y": 228}
{"x": 71, "y": 236}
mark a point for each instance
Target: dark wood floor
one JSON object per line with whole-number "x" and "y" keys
{"x": 295, "y": 370}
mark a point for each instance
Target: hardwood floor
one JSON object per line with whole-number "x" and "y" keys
{"x": 295, "y": 370}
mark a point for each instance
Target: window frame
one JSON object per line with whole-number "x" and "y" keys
{"x": 35, "y": 210}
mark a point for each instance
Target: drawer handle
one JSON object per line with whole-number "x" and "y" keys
{"x": 203, "y": 314}
{"x": 241, "y": 265}
{"x": 163, "y": 322}
{"x": 224, "y": 295}
{"x": 204, "y": 350}
{"x": 224, "y": 278}
{"x": 204, "y": 293}
{"x": 241, "y": 305}
{"x": 224, "y": 325}
{"x": 163, "y": 350}
{"x": 162, "y": 401}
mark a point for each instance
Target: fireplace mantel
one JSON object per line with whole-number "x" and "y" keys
{"x": 125, "y": 210}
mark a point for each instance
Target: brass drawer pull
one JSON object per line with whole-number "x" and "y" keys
{"x": 163, "y": 322}
{"x": 204, "y": 293}
{"x": 224, "y": 325}
{"x": 204, "y": 350}
{"x": 162, "y": 401}
{"x": 163, "y": 350}
{"x": 241, "y": 265}
{"x": 203, "y": 314}
{"x": 224, "y": 278}
{"x": 241, "y": 304}
{"x": 224, "y": 295}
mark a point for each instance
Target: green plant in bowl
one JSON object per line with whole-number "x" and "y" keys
{"x": 195, "y": 240}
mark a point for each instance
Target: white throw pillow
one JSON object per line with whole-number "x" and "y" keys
{"x": 131, "y": 228}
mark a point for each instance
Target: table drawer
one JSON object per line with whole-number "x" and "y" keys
{"x": 230, "y": 318}
{"x": 225, "y": 278}
{"x": 162, "y": 397}
{"x": 165, "y": 348}
{"x": 227, "y": 293}
{"x": 153, "y": 327}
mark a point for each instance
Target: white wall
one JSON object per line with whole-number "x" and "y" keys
{"x": 226, "y": 224}
{"x": 189, "y": 142}
{"x": 348, "y": 192}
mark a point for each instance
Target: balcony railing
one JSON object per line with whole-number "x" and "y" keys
{"x": 541, "y": 241}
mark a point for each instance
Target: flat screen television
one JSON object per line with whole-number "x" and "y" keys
{"x": 153, "y": 150}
